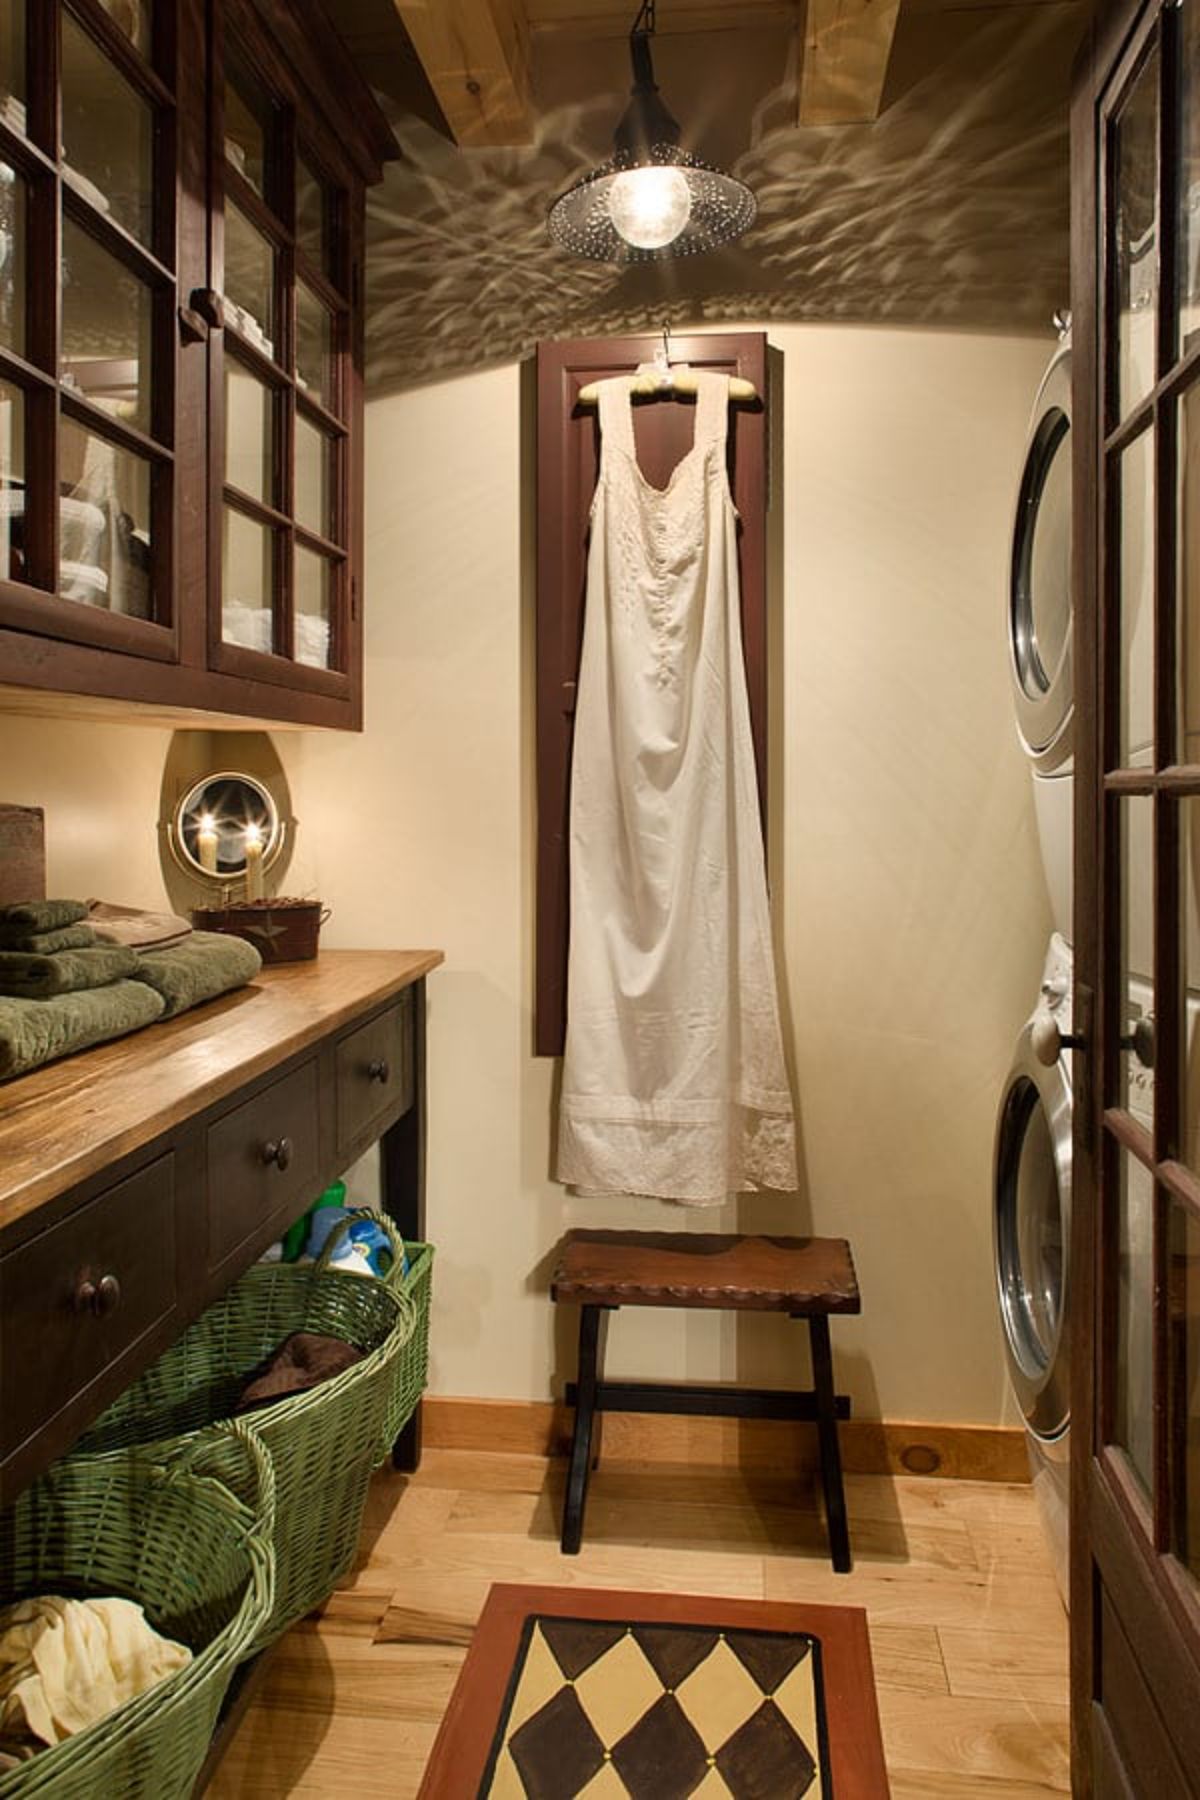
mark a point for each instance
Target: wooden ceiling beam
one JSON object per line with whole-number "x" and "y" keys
{"x": 847, "y": 44}
{"x": 613, "y": 18}
{"x": 475, "y": 54}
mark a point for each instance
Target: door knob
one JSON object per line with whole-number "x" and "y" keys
{"x": 1141, "y": 1041}
{"x": 1049, "y": 1042}
{"x": 379, "y": 1070}
{"x": 279, "y": 1153}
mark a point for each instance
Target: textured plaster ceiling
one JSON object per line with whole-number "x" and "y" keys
{"x": 950, "y": 209}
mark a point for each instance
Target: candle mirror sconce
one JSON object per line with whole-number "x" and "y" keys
{"x": 226, "y": 829}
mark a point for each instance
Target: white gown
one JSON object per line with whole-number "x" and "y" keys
{"x": 674, "y": 1081}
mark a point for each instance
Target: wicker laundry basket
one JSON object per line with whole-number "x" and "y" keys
{"x": 187, "y": 1532}
{"x": 323, "y": 1443}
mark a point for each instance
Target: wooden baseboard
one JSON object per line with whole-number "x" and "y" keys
{"x": 869, "y": 1446}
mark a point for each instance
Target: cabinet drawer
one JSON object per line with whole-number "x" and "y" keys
{"x": 375, "y": 1070}
{"x": 262, "y": 1162}
{"x": 76, "y": 1299}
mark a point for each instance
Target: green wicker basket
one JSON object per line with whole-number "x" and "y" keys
{"x": 410, "y": 1371}
{"x": 323, "y": 1443}
{"x": 188, "y": 1535}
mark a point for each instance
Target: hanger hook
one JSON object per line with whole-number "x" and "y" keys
{"x": 644, "y": 24}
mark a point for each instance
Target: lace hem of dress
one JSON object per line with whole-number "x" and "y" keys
{"x": 699, "y": 1163}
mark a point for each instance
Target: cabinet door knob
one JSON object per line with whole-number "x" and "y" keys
{"x": 380, "y": 1069}
{"x": 193, "y": 327}
{"x": 279, "y": 1152}
{"x": 210, "y": 305}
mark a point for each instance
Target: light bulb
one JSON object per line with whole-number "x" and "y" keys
{"x": 650, "y": 206}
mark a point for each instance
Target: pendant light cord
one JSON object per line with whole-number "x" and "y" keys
{"x": 644, "y": 24}
{"x": 640, "y": 33}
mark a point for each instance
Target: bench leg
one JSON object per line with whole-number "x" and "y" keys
{"x": 593, "y": 1327}
{"x": 827, "y": 1435}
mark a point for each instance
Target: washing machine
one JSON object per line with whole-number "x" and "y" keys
{"x": 1031, "y": 1244}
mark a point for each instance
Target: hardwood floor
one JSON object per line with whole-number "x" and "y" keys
{"x": 968, "y": 1634}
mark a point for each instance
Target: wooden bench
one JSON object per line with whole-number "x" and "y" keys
{"x": 807, "y": 1278}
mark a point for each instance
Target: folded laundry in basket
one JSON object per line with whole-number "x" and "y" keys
{"x": 41, "y": 915}
{"x": 46, "y": 943}
{"x": 130, "y": 925}
{"x": 65, "y": 972}
{"x": 33, "y": 1032}
{"x": 64, "y": 1664}
{"x": 204, "y": 965}
{"x": 304, "y": 1360}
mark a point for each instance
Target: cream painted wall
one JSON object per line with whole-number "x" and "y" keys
{"x": 911, "y": 916}
{"x": 911, "y": 912}
{"x": 99, "y": 785}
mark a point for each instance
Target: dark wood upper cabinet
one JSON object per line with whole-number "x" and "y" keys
{"x": 182, "y": 190}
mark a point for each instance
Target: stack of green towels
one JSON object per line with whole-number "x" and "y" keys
{"x": 62, "y": 988}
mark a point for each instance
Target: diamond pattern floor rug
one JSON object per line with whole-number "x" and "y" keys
{"x": 571, "y": 1692}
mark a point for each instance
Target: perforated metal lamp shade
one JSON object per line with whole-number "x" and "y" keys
{"x": 718, "y": 207}
{"x": 722, "y": 208}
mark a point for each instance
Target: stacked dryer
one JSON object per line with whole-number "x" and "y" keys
{"x": 1032, "y": 1168}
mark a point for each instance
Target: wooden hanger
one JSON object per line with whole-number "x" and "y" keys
{"x": 669, "y": 380}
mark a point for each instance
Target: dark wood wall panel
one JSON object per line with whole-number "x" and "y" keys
{"x": 22, "y": 854}
{"x": 568, "y": 446}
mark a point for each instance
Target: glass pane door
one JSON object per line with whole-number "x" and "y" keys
{"x": 287, "y": 306}
{"x": 87, "y": 313}
{"x": 1135, "y": 1430}
{"x": 1149, "y": 1054}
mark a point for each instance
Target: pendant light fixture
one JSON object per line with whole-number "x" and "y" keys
{"x": 651, "y": 200}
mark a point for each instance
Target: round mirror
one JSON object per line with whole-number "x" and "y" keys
{"x": 216, "y": 819}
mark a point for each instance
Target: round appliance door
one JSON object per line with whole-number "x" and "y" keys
{"x": 1039, "y": 597}
{"x": 1032, "y": 1234}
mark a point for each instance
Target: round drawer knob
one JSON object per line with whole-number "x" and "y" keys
{"x": 279, "y": 1152}
{"x": 98, "y": 1297}
{"x": 108, "y": 1295}
{"x": 380, "y": 1069}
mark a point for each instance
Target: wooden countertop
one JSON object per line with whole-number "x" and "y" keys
{"x": 72, "y": 1118}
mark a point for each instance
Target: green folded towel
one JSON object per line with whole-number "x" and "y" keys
{"x": 204, "y": 965}
{"x": 42, "y": 915}
{"x": 47, "y": 943}
{"x": 66, "y": 972}
{"x": 33, "y": 1032}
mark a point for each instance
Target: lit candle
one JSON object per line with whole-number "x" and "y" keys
{"x": 254, "y": 869}
{"x": 206, "y": 844}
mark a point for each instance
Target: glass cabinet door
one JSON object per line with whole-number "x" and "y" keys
{"x": 87, "y": 304}
{"x": 181, "y": 226}
{"x": 283, "y": 588}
